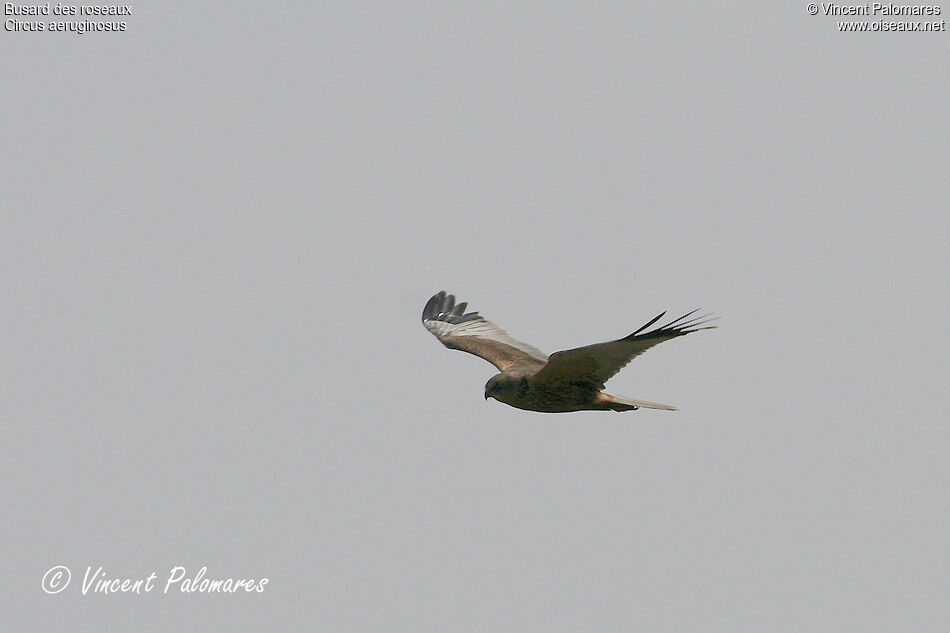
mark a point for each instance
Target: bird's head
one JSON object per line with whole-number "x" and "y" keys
{"x": 492, "y": 387}
{"x": 499, "y": 384}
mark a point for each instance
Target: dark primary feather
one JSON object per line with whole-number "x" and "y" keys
{"x": 679, "y": 327}
{"x": 441, "y": 307}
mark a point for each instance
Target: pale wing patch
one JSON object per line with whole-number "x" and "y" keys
{"x": 481, "y": 328}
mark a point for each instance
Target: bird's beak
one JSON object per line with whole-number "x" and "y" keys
{"x": 486, "y": 395}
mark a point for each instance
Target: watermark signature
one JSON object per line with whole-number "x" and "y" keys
{"x": 885, "y": 14}
{"x": 177, "y": 580}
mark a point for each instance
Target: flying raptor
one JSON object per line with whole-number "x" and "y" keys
{"x": 570, "y": 380}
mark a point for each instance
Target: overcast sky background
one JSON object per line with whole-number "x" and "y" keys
{"x": 220, "y": 229}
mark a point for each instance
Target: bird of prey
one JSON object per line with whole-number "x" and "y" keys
{"x": 570, "y": 380}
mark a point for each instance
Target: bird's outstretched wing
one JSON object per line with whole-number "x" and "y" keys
{"x": 595, "y": 364}
{"x": 471, "y": 333}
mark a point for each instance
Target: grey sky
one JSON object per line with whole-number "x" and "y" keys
{"x": 221, "y": 227}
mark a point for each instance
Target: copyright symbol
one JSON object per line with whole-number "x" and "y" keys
{"x": 813, "y": 8}
{"x": 56, "y": 579}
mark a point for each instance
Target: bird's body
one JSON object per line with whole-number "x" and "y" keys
{"x": 523, "y": 392}
{"x": 570, "y": 380}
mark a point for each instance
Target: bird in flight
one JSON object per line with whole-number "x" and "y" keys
{"x": 570, "y": 380}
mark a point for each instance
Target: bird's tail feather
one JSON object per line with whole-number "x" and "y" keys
{"x": 622, "y": 403}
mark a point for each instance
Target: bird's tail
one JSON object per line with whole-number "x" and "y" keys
{"x": 622, "y": 403}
